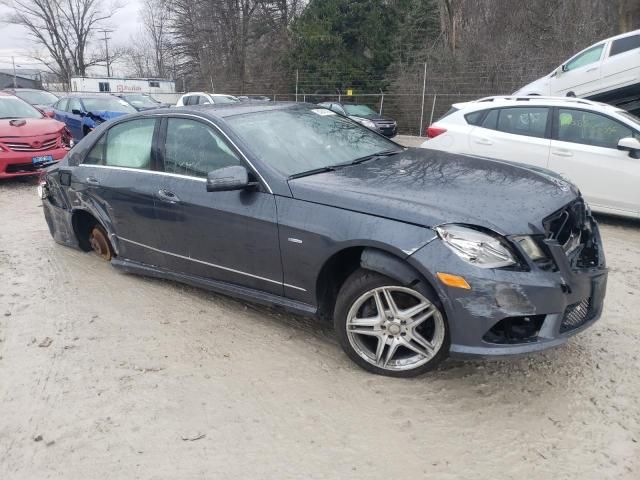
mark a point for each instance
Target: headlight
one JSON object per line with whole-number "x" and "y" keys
{"x": 530, "y": 247}
{"x": 478, "y": 248}
{"x": 365, "y": 123}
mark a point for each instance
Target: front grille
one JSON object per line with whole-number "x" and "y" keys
{"x": 571, "y": 228}
{"x": 48, "y": 144}
{"x": 576, "y": 315}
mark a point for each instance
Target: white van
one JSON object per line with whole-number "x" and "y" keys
{"x": 608, "y": 69}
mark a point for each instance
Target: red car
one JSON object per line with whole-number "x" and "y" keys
{"x": 29, "y": 141}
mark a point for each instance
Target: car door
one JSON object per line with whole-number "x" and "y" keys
{"x": 74, "y": 119}
{"x": 118, "y": 174}
{"x": 518, "y": 134}
{"x": 621, "y": 67}
{"x": 227, "y": 236}
{"x": 580, "y": 75}
{"x": 584, "y": 149}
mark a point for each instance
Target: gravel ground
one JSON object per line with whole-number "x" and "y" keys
{"x": 109, "y": 375}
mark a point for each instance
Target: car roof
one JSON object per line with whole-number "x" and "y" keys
{"x": 231, "y": 109}
{"x": 510, "y": 101}
{"x": 86, "y": 95}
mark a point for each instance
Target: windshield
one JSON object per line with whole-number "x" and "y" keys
{"x": 109, "y": 104}
{"x": 16, "y": 108}
{"x": 37, "y": 97}
{"x": 141, "y": 100}
{"x": 298, "y": 140}
{"x": 224, "y": 99}
{"x": 359, "y": 110}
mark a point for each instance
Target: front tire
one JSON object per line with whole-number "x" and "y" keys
{"x": 388, "y": 328}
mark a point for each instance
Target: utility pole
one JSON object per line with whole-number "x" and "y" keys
{"x": 106, "y": 50}
{"x": 15, "y": 81}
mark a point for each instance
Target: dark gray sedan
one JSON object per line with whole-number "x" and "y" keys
{"x": 414, "y": 254}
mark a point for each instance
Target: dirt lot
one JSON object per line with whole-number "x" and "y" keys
{"x": 108, "y": 375}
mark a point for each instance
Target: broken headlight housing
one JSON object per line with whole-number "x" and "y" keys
{"x": 531, "y": 247}
{"x": 482, "y": 249}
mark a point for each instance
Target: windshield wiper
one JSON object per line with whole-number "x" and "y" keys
{"x": 366, "y": 158}
{"x": 313, "y": 171}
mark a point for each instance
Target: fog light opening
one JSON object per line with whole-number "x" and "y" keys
{"x": 515, "y": 330}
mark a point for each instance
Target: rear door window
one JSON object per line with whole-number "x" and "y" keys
{"x": 126, "y": 145}
{"x": 624, "y": 45}
{"x": 74, "y": 104}
{"x": 527, "y": 121}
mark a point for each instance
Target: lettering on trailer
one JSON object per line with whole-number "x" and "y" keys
{"x": 128, "y": 88}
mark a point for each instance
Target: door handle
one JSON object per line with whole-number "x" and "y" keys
{"x": 484, "y": 141}
{"x": 562, "y": 153}
{"x": 168, "y": 196}
{"x": 93, "y": 181}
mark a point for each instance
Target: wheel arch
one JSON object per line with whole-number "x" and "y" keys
{"x": 339, "y": 266}
{"x": 81, "y": 221}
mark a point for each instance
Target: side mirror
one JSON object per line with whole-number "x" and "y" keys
{"x": 631, "y": 145}
{"x": 224, "y": 179}
{"x": 75, "y": 111}
{"x": 565, "y": 68}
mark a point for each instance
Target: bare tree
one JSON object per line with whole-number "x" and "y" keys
{"x": 63, "y": 28}
{"x": 156, "y": 16}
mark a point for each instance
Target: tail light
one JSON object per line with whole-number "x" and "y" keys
{"x": 433, "y": 131}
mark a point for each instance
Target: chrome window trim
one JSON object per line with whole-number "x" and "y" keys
{"x": 232, "y": 270}
{"x": 154, "y": 172}
{"x": 179, "y": 115}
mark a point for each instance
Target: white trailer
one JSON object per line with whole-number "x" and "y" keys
{"x": 122, "y": 85}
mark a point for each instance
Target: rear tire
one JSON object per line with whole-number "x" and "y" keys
{"x": 388, "y": 328}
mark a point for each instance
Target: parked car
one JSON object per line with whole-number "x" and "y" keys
{"x": 41, "y": 99}
{"x": 141, "y": 101}
{"x": 203, "y": 98}
{"x": 415, "y": 254}
{"x": 83, "y": 113}
{"x": 594, "y": 145}
{"x": 253, "y": 98}
{"x": 605, "y": 71}
{"x": 364, "y": 115}
{"x": 29, "y": 141}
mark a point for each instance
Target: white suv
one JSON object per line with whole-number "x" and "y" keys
{"x": 604, "y": 71}
{"x": 594, "y": 145}
{"x": 204, "y": 98}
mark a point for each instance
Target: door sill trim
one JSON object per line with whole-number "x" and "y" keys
{"x": 233, "y": 290}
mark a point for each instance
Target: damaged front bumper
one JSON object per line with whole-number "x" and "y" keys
{"x": 509, "y": 312}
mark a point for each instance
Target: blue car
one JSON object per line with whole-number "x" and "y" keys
{"x": 83, "y": 113}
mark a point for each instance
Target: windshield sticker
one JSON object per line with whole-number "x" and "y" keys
{"x": 323, "y": 112}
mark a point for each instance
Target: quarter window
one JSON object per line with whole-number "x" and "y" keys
{"x": 587, "y": 58}
{"x": 194, "y": 149}
{"x": 125, "y": 145}
{"x": 531, "y": 122}
{"x": 624, "y": 45}
{"x": 588, "y": 128}
{"x": 472, "y": 118}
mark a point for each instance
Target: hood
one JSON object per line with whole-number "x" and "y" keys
{"x": 32, "y": 128}
{"x": 540, "y": 86}
{"x": 430, "y": 187}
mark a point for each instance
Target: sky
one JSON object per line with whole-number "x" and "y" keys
{"x": 14, "y": 41}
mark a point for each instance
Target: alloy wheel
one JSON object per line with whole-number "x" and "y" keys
{"x": 395, "y": 328}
